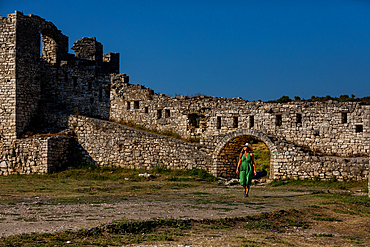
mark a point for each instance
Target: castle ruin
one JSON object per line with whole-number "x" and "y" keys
{"x": 83, "y": 97}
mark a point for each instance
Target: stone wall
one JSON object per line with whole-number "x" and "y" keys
{"x": 7, "y": 79}
{"x": 104, "y": 142}
{"x": 82, "y": 84}
{"x": 36, "y": 155}
{"x": 331, "y": 128}
{"x": 286, "y": 161}
{"x": 306, "y": 140}
{"x": 108, "y": 143}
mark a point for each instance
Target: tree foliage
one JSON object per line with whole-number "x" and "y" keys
{"x": 341, "y": 98}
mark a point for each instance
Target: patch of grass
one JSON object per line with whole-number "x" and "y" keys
{"x": 327, "y": 184}
{"x": 297, "y": 223}
{"x": 90, "y": 182}
{"x": 223, "y": 209}
{"x": 327, "y": 218}
{"x": 322, "y": 235}
{"x": 215, "y": 226}
{"x": 200, "y": 193}
{"x": 276, "y": 183}
{"x": 259, "y": 225}
{"x": 262, "y": 156}
{"x": 345, "y": 211}
{"x": 355, "y": 239}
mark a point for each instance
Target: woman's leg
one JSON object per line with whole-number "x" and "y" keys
{"x": 247, "y": 190}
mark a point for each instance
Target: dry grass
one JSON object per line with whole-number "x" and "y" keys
{"x": 324, "y": 214}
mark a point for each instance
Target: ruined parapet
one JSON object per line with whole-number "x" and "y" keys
{"x": 111, "y": 62}
{"x": 110, "y": 143}
{"x": 20, "y": 68}
{"x": 88, "y": 49}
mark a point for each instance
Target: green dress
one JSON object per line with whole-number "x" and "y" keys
{"x": 246, "y": 170}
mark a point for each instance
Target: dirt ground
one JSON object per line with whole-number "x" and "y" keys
{"x": 35, "y": 214}
{"x": 21, "y": 214}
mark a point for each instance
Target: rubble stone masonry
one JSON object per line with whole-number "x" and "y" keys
{"x": 43, "y": 89}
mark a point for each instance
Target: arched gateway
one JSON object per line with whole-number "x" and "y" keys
{"x": 225, "y": 156}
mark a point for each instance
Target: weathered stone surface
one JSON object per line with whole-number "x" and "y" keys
{"x": 306, "y": 140}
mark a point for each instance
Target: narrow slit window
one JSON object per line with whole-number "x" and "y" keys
{"x": 218, "y": 122}
{"x": 100, "y": 94}
{"x": 251, "y": 121}
{"x": 167, "y": 113}
{"x": 74, "y": 82}
{"x": 136, "y": 104}
{"x": 92, "y": 100}
{"x": 128, "y": 105}
{"x": 235, "y": 122}
{"x": 299, "y": 118}
{"x": 89, "y": 85}
{"x": 359, "y": 128}
{"x": 279, "y": 120}
{"x": 159, "y": 114}
{"x": 146, "y": 110}
{"x": 344, "y": 117}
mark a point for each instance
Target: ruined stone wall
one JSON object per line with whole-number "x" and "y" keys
{"x": 36, "y": 155}
{"x": 286, "y": 160}
{"x": 306, "y": 140}
{"x": 104, "y": 142}
{"x": 28, "y": 88}
{"x": 21, "y": 84}
{"x": 109, "y": 143}
{"x": 331, "y": 128}
{"x": 7, "y": 79}
{"x": 82, "y": 84}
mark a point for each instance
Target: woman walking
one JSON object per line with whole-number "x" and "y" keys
{"x": 246, "y": 168}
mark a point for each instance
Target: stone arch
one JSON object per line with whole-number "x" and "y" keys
{"x": 226, "y": 153}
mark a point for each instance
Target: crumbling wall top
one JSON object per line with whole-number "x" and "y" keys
{"x": 89, "y": 49}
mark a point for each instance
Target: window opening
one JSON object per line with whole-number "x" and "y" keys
{"x": 92, "y": 100}
{"x": 136, "y": 104}
{"x": 299, "y": 118}
{"x": 48, "y": 46}
{"x": 279, "y": 120}
{"x": 74, "y": 81}
{"x": 251, "y": 121}
{"x": 167, "y": 113}
{"x": 218, "y": 122}
{"x": 89, "y": 84}
{"x": 359, "y": 128}
{"x": 128, "y": 105}
{"x": 235, "y": 122}
{"x": 194, "y": 120}
{"x": 344, "y": 117}
{"x": 159, "y": 114}
{"x": 146, "y": 110}
{"x": 100, "y": 94}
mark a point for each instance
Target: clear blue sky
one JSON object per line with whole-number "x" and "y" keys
{"x": 252, "y": 49}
